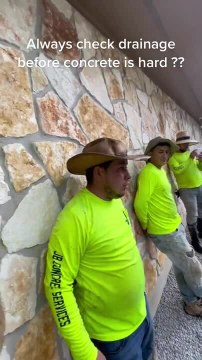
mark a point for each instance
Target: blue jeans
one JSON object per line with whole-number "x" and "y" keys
{"x": 192, "y": 199}
{"x": 137, "y": 346}
{"x": 187, "y": 268}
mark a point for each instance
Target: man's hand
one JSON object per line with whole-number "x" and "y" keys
{"x": 100, "y": 356}
{"x": 194, "y": 154}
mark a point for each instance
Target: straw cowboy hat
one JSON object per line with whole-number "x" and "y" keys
{"x": 98, "y": 152}
{"x": 158, "y": 140}
{"x": 182, "y": 137}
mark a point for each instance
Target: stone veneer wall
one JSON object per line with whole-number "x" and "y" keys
{"x": 46, "y": 115}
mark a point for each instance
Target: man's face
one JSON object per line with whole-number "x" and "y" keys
{"x": 160, "y": 155}
{"x": 115, "y": 179}
{"x": 183, "y": 147}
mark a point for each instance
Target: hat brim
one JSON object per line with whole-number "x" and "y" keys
{"x": 190, "y": 142}
{"x": 79, "y": 163}
{"x": 142, "y": 157}
{"x": 172, "y": 145}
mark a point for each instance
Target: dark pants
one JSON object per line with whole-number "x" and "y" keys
{"x": 137, "y": 346}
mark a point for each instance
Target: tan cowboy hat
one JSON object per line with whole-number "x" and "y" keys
{"x": 158, "y": 140}
{"x": 98, "y": 152}
{"x": 182, "y": 137}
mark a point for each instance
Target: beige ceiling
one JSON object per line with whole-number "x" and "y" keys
{"x": 161, "y": 20}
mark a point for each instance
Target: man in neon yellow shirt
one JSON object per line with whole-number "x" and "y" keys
{"x": 94, "y": 278}
{"x": 187, "y": 167}
{"x": 157, "y": 212}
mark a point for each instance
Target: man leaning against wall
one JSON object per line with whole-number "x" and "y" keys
{"x": 156, "y": 210}
{"x": 186, "y": 165}
{"x": 94, "y": 278}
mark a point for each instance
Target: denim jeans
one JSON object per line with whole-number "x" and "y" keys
{"x": 187, "y": 268}
{"x": 137, "y": 346}
{"x": 192, "y": 199}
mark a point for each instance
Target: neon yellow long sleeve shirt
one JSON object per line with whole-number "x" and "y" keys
{"x": 187, "y": 171}
{"x": 94, "y": 279}
{"x": 154, "y": 202}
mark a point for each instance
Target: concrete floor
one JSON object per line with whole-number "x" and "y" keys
{"x": 178, "y": 336}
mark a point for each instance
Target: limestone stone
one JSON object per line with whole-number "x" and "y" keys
{"x": 58, "y": 28}
{"x": 141, "y": 77}
{"x": 74, "y": 184}
{"x": 149, "y": 85}
{"x": 180, "y": 123}
{"x": 134, "y": 125}
{"x": 17, "y": 21}
{"x": 64, "y": 82}
{"x": 18, "y": 289}
{"x": 142, "y": 248}
{"x": 16, "y": 112}
{"x": 65, "y": 351}
{"x": 96, "y": 122}
{"x": 167, "y": 107}
{"x": 39, "y": 80}
{"x": 162, "y": 124}
{"x": 160, "y": 92}
{"x": 54, "y": 156}
{"x": 39, "y": 340}
{"x": 174, "y": 116}
{"x": 171, "y": 128}
{"x": 151, "y": 107}
{"x": 161, "y": 258}
{"x": 182, "y": 211}
{"x": 137, "y": 228}
{"x": 134, "y": 74}
{"x": 127, "y": 198}
{"x": 150, "y": 274}
{"x": 42, "y": 271}
{"x": 93, "y": 81}
{"x": 142, "y": 96}
{"x": 156, "y": 101}
{"x": 150, "y": 124}
{"x": 4, "y": 354}
{"x": 2, "y": 326}
{"x": 114, "y": 54}
{"x": 119, "y": 113}
{"x": 151, "y": 249}
{"x": 140, "y": 164}
{"x": 179, "y": 113}
{"x": 131, "y": 94}
{"x": 4, "y": 189}
{"x": 64, "y": 7}
{"x": 33, "y": 219}
{"x": 114, "y": 83}
{"x": 23, "y": 169}
{"x": 173, "y": 105}
{"x": 85, "y": 31}
{"x": 57, "y": 119}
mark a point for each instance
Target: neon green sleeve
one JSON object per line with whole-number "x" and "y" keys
{"x": 65, "y": 250}
{"x": 178, "y": 167}
{"x": 146, "y": 187}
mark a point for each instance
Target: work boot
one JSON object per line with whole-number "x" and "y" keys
{"x": 194, "y": 309}
{"x": 199, "y": 227}
{"x": 195, "y": 239}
